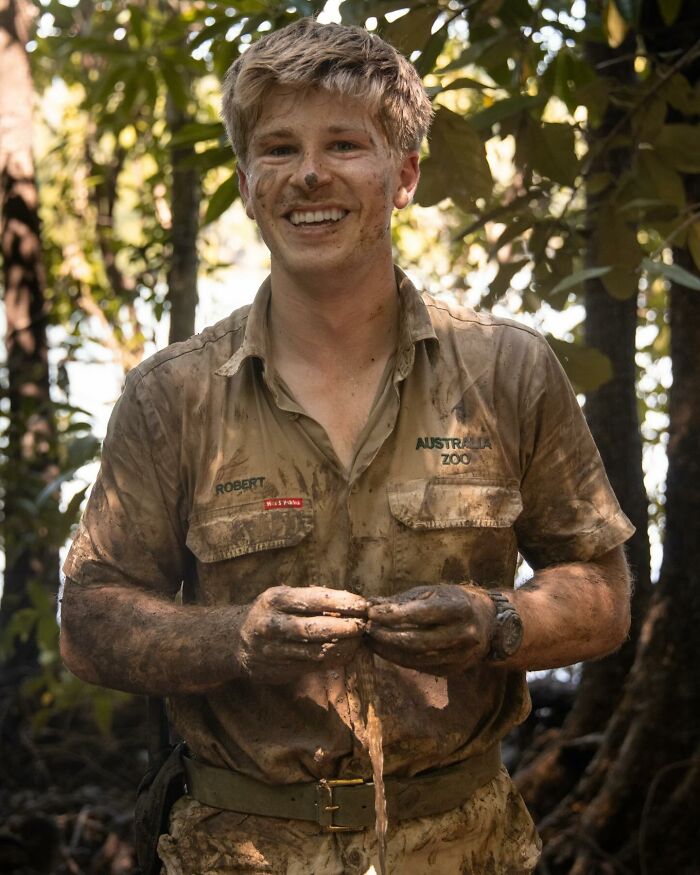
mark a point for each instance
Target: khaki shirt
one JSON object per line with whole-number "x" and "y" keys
{"x": 214, "y": 481}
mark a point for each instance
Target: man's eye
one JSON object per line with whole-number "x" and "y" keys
{"x": 279, "y": 151}
{"x": 344, "y": 146}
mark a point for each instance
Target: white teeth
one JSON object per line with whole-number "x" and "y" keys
{"x": 306, "y": 217}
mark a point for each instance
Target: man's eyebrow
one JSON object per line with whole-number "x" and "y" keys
{"x": 288, "y": 132}
{"x": 348, "y": 129}
{"x": 272, "y": 134}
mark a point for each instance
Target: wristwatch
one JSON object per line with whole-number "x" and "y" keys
{"x": 508, "y": 628}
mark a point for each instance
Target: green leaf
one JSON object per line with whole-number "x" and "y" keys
{"x": 682, "y": 96}
{"x": 504, "y": 109}
{"x": 587, "y": 368}
{"x": 669, "y": 10}
{"x": 672, "y": 272}
{"x": 82, "y": 450}
{"x": 615, "y": 243}
{"x": 431, "y": 52}
{"x": 213, "y": 30}
{"x": 175, "y": 83}
{"x": 578, "y": 278}
{"x": 458, "y": 84}
{"x": 412, "y": 31}
{"x": 655, "y": 178}
{"x": 471, "y": 54}
{"x": 217, "y": 156}
{"x": 104, "y": 87}
{"x": 457, "y": 166}
{"x": 614, "y": 24}
{"x": 198, "y": 132}
{"x": 515, "y": 227}
{"x": 222, "y": 199}
{"x": 550, "y": 150}
{"x": 566, "y": 75}
{"x": 500, "y": 284}
{"x": 694, "y": 243}
{"x": 97, "y": 46}
{"x": 648, "y": 121}
{"x": 136, "y": 23}
{"x": 629, "y": 10}
{"x": 679, "y": 146}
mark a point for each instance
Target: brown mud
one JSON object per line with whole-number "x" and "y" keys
{"x": 373, "y": 729}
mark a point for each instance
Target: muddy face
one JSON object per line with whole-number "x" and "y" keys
{"x": 321, "y": 182}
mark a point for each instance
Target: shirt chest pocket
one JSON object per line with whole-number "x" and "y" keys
{"x": 243, "y": 550}
{"x": 453, "y": 530}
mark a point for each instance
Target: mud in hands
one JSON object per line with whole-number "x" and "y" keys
{"x": 289, "y": 631}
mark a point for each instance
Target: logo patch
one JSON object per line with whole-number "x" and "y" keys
{"x": 278, "y": 503}
{"x": 461, "y": 443}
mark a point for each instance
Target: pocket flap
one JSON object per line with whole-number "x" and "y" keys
{"x": 444, "y": 504}
{"x": 238, "y": 531}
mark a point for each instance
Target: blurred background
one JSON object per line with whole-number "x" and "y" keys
{"x": 560, "y": 186}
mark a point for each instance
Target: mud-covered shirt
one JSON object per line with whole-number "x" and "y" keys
{"x": 214, "y": 483}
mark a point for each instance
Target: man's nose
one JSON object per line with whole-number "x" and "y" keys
{"x": 311, "y": 173}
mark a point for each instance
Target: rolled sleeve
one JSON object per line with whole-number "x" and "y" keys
{"x": 570, "y": 512}
{"x": 130, "y": 532}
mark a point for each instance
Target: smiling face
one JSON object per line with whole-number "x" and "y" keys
{"x": 321, "y": 183}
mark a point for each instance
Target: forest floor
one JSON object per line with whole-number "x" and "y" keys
{"x": 67, "y": 791}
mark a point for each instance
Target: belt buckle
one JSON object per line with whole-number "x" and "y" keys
{"x": 326, "y": 805}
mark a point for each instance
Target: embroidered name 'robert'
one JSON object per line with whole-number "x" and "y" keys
{"x": 239, "y": 485}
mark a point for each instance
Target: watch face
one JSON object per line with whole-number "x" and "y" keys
{"x": 511, "y": 629}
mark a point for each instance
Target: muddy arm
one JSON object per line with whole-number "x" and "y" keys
{"x": 570, "y": 613}
{"x": 573, "y": 612}
{"x": 129, "y": 639}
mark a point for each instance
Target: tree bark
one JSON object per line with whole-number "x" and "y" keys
{"x": 184, "y": 262}
{"x": 639, "y": 796}
{"x": 31, "y": 459}
{"x": 611, "y": 412}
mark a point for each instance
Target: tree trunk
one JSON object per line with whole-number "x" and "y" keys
{"x": 611, "y": 412}
{"x": 186, "y": 190}
{"x": 640, "y": 795}
{"x": 30, "y": 460}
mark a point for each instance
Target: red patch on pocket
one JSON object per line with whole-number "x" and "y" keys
{"x": 277, "y": 503}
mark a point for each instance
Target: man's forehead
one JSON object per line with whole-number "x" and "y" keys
{"x": 286, "y": 112}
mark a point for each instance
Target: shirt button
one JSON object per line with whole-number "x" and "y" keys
{"x": 354, "y": 489}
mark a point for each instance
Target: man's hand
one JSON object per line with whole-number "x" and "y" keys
{"x": 289, "y": 631}
{"x": 436, "y": 629}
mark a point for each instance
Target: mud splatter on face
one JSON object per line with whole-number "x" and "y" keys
{"x": 311, "y": 180}
{"x": 263, "y": 184}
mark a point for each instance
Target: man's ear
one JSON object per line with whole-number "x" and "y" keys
{"x": 245, "y": 192}
{"x": 409, "y": 174}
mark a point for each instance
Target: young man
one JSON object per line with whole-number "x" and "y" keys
{"x": 344, "y": 467}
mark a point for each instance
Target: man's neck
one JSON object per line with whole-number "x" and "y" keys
{"x": 325, "y": 320}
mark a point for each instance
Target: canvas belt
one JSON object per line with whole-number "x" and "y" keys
{"x": 344, "y": 804}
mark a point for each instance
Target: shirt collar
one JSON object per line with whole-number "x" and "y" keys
{"x": 416, "y": 325}
{"x": 255, "y": 338}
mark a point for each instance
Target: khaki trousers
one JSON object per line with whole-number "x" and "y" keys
{"x": 491, "y": 834}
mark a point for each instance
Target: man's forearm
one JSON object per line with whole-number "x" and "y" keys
{"x": 573, "y": 612}
{"x": 131, "y": 640}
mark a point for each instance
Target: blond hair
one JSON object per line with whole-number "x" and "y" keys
{"x": 337, "y": 58}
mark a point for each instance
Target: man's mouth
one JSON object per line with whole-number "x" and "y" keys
{"x": 316, "y": 217}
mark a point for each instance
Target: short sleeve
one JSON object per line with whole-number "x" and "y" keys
{"x": 570, "y": 513}
{"x": 129, "y": 533}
